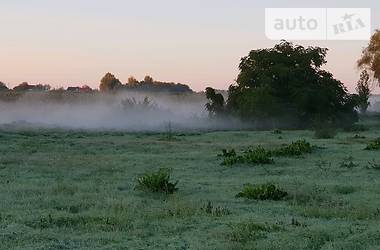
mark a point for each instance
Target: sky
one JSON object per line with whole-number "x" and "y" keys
{"x": 196, "y": 42}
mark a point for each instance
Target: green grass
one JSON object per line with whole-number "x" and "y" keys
{"x": 76, "y": 190}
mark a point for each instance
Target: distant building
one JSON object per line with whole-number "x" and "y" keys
{"x": 86, "y": 88}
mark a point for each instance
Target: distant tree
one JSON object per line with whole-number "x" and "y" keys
{"x": 286, "y": 82}
{"x": 23, "y": 87}
{"x": 148, "y": 79}
{"x": 3, "y": 87}
{"x": 150, "y": 85}
{"x": 41, "y": 87}
{"x": 215, "y": 105}
{"x": 109, "y": 83}
{"x": 132, "y": 80}
{"x": 370, "y": 59}
{"x": 364, "y": 91}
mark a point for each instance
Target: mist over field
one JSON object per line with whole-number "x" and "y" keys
{"x": 128, "y": 111}
{"x": 136, "y": 111}
{"x": 375, "y": 103}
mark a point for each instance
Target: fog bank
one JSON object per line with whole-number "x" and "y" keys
{"x": 123, "y": 111}
{"x": 375, "y": 103}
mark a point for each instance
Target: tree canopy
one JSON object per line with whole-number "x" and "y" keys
{"x": 286, "y": 83}
{"x": 370, "y": 59}
{"x": 109, "y": 83}
{"x": 151, "y": 85}
{"x": 364, "y": 91}
{"x": 215, "y": 105}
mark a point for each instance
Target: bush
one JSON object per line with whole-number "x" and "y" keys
{"x": 375, "y": 145}
{"x": 256, "y": 155}
{"x": 266, "y": 191}
{"x": 325, "y": 133}
{"x": 259, "y": 155}
{"x": 230, "y": 157}
{"x": 157, "y": 182}
{"x": 294, "y": 149}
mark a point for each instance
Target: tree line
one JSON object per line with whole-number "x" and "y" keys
{"x": 109, "y": 83}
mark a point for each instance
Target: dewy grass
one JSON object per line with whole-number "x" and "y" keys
{"x": 79, "y": 193}
{"x": 325, "y": 133}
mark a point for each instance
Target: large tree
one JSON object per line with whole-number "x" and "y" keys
{"x": 286, "y": 83}
{"x": 370, "y": 59}
{"x": 215, "y": 106}
{"x": 109, "y": 83}
{"x": 364, "y": 91}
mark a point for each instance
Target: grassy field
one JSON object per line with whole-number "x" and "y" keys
{"x": 76, "y": 190}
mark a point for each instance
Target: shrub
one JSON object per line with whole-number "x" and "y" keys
{"x": 230, "y": 157}
{"x": 294, "y": 149}
{"x": 157, "y": 182}
{"x": 375, "y": 145}
{"x": 325, "y": 133}
{"x": 258, "y": 155}
{"x": 266, "y": 191}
